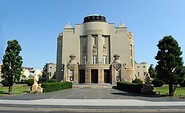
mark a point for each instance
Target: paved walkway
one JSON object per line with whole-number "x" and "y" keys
{"x": 91, "y": 99}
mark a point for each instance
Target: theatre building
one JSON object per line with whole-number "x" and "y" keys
{"x": 97, "y": 52}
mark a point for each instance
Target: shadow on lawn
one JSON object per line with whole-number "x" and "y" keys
{"x": 138, "y": 94}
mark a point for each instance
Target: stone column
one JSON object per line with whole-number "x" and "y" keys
{"x": 87, "y": 75}
{"x": 89, "y": 49}
{"x": 100, "y": 49}
{"x": 101, "y": 75}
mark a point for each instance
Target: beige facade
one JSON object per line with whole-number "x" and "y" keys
{"x": 95, "y": 52}
{"x": 51, "y": 69}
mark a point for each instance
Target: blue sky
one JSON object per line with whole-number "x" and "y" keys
{"x": 36, "y": 24}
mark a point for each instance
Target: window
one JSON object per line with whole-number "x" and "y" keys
{"x": 143, "y": 66}
{"x": 131, "y": 62}
{"x": 130, "y": 46}
{"x": 84, "y": 59}
{"x": 94, "y": 59}
{"x": 131, "y": 52}
{"x": 104, "y": 59}
{"x": 94, "y": 38}
{"x": 138, "y": 74}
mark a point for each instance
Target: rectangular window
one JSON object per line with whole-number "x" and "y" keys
{"x": 104, "y": 59}
{"x": 94, "y": 38}
{"x": 94, "y": 59}
{"x": 138, "y": 74}
{"x": 131, "y": 52}
{"x": 84, "y": 59}
{"x": 131, "y": 62}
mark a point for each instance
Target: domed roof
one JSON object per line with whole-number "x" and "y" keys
{"x": 94, "y": 18}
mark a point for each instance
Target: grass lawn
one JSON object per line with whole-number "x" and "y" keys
{"x": 16, "y": 90}
{"x": 164, "y": 90}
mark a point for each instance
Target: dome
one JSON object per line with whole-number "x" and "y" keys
{"x": 94, "y": 18}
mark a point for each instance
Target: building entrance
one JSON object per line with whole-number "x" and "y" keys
{"x": 94, "y": 76}
{"x": 107, "y": 76}
{"x": 82, "y": 76}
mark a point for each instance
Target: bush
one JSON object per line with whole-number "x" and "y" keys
{"x": 129, "y": 87}
{"x": 5, "y": 82}
{"x": 30, "y": 82}
{"x": 52, "y": 80}
{"x": 157, "y": 83}
{"x": 54, "y": 86}
{"x": 137, "y": 81}
{"x": 182, "y": 84}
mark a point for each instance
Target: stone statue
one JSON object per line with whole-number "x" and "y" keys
{"x": 147, "y": 79}
{"x": 36, "y": 88}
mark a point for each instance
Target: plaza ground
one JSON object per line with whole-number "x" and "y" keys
{"x": 90, "y": 99}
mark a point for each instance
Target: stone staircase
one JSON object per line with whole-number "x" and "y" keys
{"x": 96, "y": 86}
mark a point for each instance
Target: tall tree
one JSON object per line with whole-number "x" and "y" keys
{"x": 12, "y": 63}
{"x": 170, "y": 63}
{"x": 151, "y": 71}
{"x": 45, "y": 72}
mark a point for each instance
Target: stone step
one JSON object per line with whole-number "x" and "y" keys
{"x": 92, "y": 86}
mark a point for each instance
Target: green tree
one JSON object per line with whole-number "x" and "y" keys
{"x": 170, "y": 63}
{"x": 152, "y": 71}
{"x": 12, "y": 63}
{"x": 45, "y": 72}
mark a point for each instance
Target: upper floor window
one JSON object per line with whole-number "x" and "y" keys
{"x": 84, "y": 59}
{"x": 94, "y": 59}
{"x": 104, "y": 59}
{"x": 94, "y": 39}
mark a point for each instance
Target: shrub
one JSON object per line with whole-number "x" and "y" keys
{"x": 54, "y": 86}
{"x": 52, "y": 80}
{"x": 5, "y": 82}
{"x": 30, "y": 82}
{"x": 182, "y": 84}
{"x": 137, "y": 81}
{"x": 129, "y": 87}
{"x": 157, "y": 83}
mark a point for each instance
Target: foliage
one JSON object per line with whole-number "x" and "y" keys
{"x": 182, "y": 84}
{"x": 49, "y": 87}
{"x": 129, "y": 87}
{"x": 170, "y": 64}
{"x": 45, "y": 71}
{"x": 157, "y": 83}
{"x": 152, "y": 71}
{"x": 52, "y": 80}
{"x": 30, "y": 82}
{"x": 137, "y": 81}
{"x": 12, "y": 63}
{"x": 5, "y": 82}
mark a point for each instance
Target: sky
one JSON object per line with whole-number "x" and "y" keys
{"x": 37, "y": 23}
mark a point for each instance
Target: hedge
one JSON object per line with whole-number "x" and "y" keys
{"x": 129, "y": 87}
{"x": 137, "y": 81}
{"x": 52, "y": 80}
{"x": 30, "y": 82}
{"x": 5, "y": 82}
{"x": 182, "y": 84}
{"x": 54, "y": 86}
{"x": 157, "y": 83}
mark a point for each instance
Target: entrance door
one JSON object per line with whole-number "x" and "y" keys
{"x": 82, "y": 76}
{"x": 94, "y": 76}
{"x": 107, "y": 76}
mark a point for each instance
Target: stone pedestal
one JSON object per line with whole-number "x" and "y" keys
{"x": 147, "y": 89}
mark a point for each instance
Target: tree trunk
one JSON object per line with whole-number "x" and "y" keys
{"x": 10, "y": 90}
{"x": 171, "y": 90}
